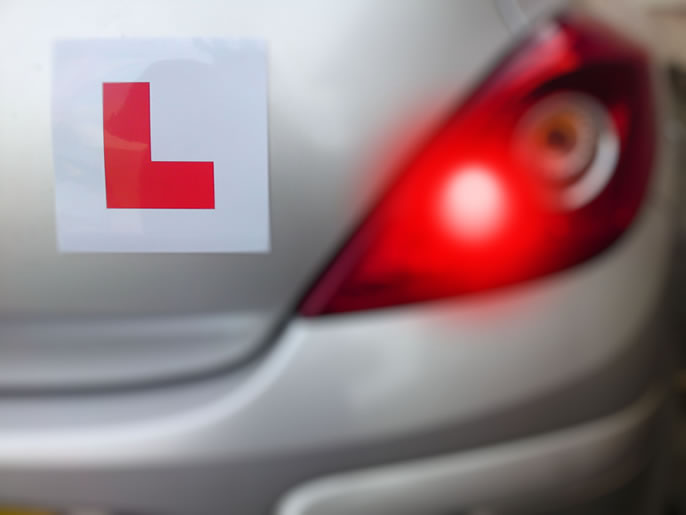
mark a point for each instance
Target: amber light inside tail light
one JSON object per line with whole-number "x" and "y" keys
{"x": 543, "y": 167}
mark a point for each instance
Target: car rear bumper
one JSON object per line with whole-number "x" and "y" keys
{"x": 560, "y": 469}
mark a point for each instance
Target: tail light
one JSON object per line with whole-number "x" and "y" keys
{"x": 543, "y": 167}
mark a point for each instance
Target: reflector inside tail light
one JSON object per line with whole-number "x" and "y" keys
{"x": 543, "y": 167}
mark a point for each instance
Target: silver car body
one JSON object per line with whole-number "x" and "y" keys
{"x": 185, "y": 384}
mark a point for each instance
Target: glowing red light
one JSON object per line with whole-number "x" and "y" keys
{"x": 474, "y": 204}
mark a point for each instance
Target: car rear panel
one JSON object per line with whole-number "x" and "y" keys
{"x": 344, "y": 80}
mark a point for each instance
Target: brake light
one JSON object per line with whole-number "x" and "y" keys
{"x": 543, "y": 167}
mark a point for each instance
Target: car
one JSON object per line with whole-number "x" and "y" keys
{"x": 449, "y": 294}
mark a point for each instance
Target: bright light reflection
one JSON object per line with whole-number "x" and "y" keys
{"x": 474, "y": 204}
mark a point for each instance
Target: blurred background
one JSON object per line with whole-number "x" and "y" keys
{"x": 670, "y": 18}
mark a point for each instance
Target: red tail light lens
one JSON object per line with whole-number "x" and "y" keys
{"x": 543, "y": 167}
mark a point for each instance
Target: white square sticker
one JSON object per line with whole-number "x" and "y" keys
{"x": 160, "y": 145}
